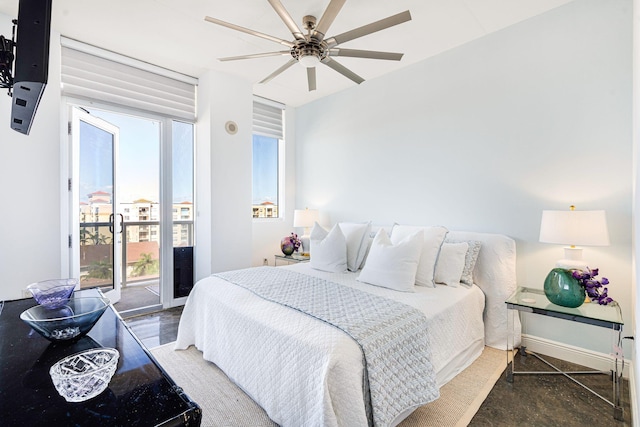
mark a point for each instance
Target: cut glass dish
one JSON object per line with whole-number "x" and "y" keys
{"x": 84, "y": 375}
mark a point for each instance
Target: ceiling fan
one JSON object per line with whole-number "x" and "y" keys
{"x": 313, "y": 48}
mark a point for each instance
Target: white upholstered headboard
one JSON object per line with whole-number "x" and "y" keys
{"x": 495, "y": 274}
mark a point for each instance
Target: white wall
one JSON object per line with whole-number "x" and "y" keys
{"x": 226, "y": 98}
{"x": 635, "y": 391}
{"x": 485, "y": 136}
{"x": 30, "y": 189}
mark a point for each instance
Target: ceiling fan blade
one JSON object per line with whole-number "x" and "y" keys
{"x": 311, "y": 78}
{"x": 278, "y": 71}
{"x": 342, "y": 70}
{"x": 370, "y": 54}
{"x": 256, "y": 55}
{"x": 288, "y": 21}
{"x": 248, "y": 31}
{"x": 369, "y": 28}
{"x": 327, "y": 19}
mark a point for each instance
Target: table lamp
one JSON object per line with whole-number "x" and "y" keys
{"x": 574, "y": 228}
{"x": 305, "y": 218}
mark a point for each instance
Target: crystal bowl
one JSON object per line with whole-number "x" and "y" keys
{"x": 52, "y": 293}
{"x": 74, "y": 318}
{"x": 84, "y": 375}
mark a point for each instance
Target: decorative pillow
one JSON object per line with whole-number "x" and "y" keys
{"x": 328, "y": 249}
{"x": 433, "y": 238}
{"x": 393, "y": 266}
{"x": 369, "y": 239}
{"x": 451, "y": 263}
{"x": 356, "y": 235}
{"x": 470, "y": 262}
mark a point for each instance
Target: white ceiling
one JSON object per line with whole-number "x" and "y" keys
{"x": 174, "y": 35}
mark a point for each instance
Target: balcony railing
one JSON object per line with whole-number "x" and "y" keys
{"x": 140, "y": 250}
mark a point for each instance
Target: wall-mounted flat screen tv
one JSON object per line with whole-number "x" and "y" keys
{"x": 31, "y": 61}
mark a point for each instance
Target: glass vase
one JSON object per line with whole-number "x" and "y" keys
{"x": 563, "y": 289}
{"x": 287, "y": 246}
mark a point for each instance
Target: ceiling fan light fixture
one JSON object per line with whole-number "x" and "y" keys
{"x": 313, "y": 48}
{"x": 309, "y": 61}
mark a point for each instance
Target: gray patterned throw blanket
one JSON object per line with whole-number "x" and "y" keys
{"x": 392, "y": 335}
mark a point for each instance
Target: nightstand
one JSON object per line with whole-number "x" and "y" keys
{"x": 606, "y": 316}
{"x": 290, "y": 259}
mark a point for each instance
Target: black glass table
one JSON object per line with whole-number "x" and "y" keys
{"x": 140, "y": 392}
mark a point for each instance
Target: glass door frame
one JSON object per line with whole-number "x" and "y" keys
{"x": 77, "y": 114}
{"x": 167, "y": 298}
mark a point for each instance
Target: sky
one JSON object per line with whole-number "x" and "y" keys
{"x": 138, "y": 159}
{"x": 265, "y": 169}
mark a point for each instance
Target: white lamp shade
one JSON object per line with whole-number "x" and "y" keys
{"x": 576, "y": 228}
{"x": 305, "y": 217}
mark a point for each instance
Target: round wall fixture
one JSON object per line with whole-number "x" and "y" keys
{"x": 231, "y": 127}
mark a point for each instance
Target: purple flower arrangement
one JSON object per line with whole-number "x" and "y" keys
{"x": 595, "y": 288}
{"x": 295, "y": 241}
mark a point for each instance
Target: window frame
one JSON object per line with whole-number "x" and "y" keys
{"x": 277, "y": 133}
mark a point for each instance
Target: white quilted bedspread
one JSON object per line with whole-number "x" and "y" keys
{"x": 304, "y": 372}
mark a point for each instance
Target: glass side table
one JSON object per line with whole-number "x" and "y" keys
{"x": 289, "y": 259}
{"x": 534, "y": 301}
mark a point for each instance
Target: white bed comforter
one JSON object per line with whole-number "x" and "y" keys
{"x": 302, "y": 371}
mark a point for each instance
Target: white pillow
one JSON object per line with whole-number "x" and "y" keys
{"x": 328, "y": 249}
{"x": 369, "y": 239}
{"x": 355, "y": 234}
{"x": 469, "y": 261}
{"x": 433, "y": 238}
{"x": 451, "y": 263}
{"x": 393, "y": 266}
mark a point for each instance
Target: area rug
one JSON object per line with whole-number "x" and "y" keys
{"x": 225, "y": 404}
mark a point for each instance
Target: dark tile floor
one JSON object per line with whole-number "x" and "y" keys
{"x": 531, "y": 400}
{"x": 157, "y": 328}
{"x": 551, "y": 400}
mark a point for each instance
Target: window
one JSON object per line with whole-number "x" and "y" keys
{"x": 267, "y": 158}
{"x": 265, "y": 175}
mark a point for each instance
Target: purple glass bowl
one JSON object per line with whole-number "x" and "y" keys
{"x": 52, "y": 293}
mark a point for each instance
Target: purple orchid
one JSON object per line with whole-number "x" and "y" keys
{"x": 295, "y": 241}
{"x": 595, "y": 288}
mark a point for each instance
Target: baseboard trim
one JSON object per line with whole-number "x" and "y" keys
{"x": 581, "y": 356}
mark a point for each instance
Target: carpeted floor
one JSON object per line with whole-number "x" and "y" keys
{"x": 225, "y": 404}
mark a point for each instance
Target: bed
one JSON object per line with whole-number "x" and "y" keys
{"x": 303, "y": 371}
